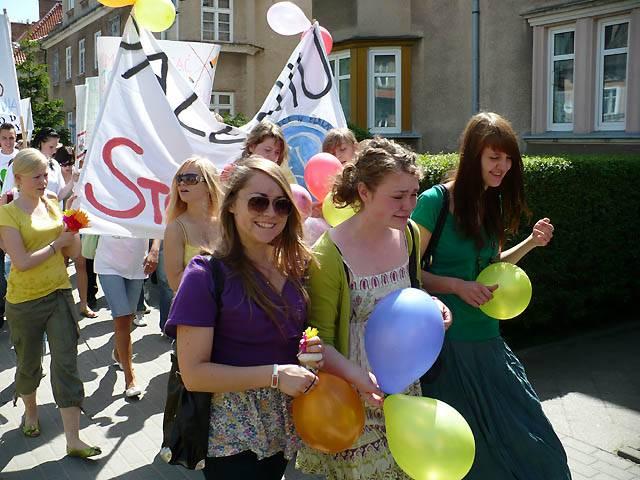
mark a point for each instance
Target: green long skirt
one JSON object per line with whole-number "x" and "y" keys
{"x": 487, "y": 384}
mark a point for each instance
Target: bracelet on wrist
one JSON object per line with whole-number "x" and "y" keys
{"x": 274, "y": 376}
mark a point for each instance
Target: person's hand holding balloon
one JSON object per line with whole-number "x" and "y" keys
{"x": 474, "y": 293}
{"x": 542, "y": 232}
{"x": 447, "y": 317}
{"x": 367, "y": 386}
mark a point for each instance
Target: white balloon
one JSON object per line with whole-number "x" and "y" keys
{"x": 287, "y": 18}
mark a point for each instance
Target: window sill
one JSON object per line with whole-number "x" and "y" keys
{"x": 400, "y": 135}
{"x": 602, "y": 137}
{"x": 243, "y": 48}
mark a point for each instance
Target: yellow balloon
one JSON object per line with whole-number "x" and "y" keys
{"x": 154, "y": 15}
{"x": 334, "y": 215}
{"x": 513, "y": 294}
{"x": 428, "y": 438}
{"x": 116, "y": 3}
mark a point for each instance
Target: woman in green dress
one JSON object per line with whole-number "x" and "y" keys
{"x": 480, "y": 376}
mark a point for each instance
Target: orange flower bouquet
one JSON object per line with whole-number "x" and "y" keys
{"x": 75, "y": 219}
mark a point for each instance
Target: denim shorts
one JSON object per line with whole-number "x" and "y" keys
{"x": 121, "y": 293}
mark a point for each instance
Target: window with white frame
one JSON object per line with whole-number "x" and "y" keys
{"x": 341, "y": 67}
{"x": 223, "y": 103}
{"x": 71, "y": 4}
{"x": 217, "y": 20}
{"x": 67, "y": 52}
{"x": 96, "y": 35}
{"x": 55, "y": 67}
{"x": 384, "y": 90}
{"x": 561, "y": 70}
{"x": 113, "y": 26}
{"x": 81, "y": 56}
{"x": 613, "y": 49}
{"x": 70, "y": 125}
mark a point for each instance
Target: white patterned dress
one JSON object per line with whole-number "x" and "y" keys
{"x": 369, "y": 457}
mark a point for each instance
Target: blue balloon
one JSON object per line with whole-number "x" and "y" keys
{"x": 403, "y": 338}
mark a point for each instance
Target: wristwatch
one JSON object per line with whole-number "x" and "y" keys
{"x": 274, "y": 376}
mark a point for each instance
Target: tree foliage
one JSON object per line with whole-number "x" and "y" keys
{"x": 33, "y": 81}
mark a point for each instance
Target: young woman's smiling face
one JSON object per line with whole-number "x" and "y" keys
{"x": 494, "y": 165}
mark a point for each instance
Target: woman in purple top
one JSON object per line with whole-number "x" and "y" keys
{"x": 254, "y": 328}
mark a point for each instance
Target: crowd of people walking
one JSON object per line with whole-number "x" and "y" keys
{"x": 239, "y": 281}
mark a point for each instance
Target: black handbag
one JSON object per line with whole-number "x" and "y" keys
{"x": 185, "y": 424}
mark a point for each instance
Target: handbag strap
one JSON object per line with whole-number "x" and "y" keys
{"x": 413, "y": 260}
{"x": 437, "y": 231}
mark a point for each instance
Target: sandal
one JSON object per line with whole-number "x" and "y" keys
{"x": 84, "y": 452}
{"x": 88, "y": 313}
{"x": 31, "y": 431}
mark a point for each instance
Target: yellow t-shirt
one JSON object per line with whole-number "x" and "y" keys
{"x": 50, "y": 275}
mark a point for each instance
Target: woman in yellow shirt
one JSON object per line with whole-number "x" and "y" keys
{"x": 39, "y": 298}
{"x": 192, "y": 216}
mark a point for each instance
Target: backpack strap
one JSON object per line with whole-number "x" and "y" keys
{"x": 413, "y": 255}
{"x": 437, "y": 231}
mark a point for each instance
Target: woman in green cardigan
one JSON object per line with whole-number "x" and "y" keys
{"x": 358, "y": 263}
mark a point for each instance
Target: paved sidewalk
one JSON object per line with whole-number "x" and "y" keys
{"x": 590, "y": 389}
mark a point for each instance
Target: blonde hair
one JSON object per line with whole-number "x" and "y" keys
{"x": 291, "y": 256}
{"x": 176, "y": 205}
{"x": 260, "y": 133}
{"x": 337, "y": 136}
{"x": 27, "y": 161}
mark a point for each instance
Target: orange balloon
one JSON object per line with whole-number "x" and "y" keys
{"x": 116, "y": 3}
{"x": 331, "y": 416}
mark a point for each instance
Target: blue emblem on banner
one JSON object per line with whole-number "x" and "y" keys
{"x": 304, "y": 136}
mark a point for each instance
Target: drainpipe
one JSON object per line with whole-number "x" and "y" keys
{"x": 475, "y": 56}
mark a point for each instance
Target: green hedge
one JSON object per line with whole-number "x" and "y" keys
{"x": 589, "y": 274}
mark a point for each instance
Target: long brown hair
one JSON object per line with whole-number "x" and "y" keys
{"x": 491, "y": 211}
{"x": 291, "y": 256}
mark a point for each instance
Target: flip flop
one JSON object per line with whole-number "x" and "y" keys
{"x": 31, "y": 431}
{"x": 83, "y": 452}
{"x": 88, "y": 313}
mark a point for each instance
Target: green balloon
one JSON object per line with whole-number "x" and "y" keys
{"x": 428, "y": 438}
{"x": 334, "y": 215}
{"x": 513, "y": 294}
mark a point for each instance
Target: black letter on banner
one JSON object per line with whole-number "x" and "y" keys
{"x": 327, "y": 72}
{"x": 224, "y": 131}
{"x": 181, "y": 108}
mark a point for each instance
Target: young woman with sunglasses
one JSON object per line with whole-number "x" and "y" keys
{"x": 481, "y": 377}
{"x": 360, "y": 261}
{"x": 242, "y": 346}
{"x": 192, "y": 217}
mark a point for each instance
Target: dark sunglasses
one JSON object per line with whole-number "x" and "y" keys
{"x": 281, "y": 205}
{"x": 189, "y": 178}
{"x": 67, "y": 164}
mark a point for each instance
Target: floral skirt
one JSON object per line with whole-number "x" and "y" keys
{"x": 256, "y": 420}
{"x": 368, "y": 458}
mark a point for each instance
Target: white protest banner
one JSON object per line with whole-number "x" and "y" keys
{"x": 81, "y": 121}
{"x": 151, "y": 120}
{"x": 304, "y": 102}
{"x": 9, "y": 92}
{"x": 92, "y": 107}
{"x": 136, "y": 147}
{"x": 195, "y": 61}
{"x": 27, "y": 115}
